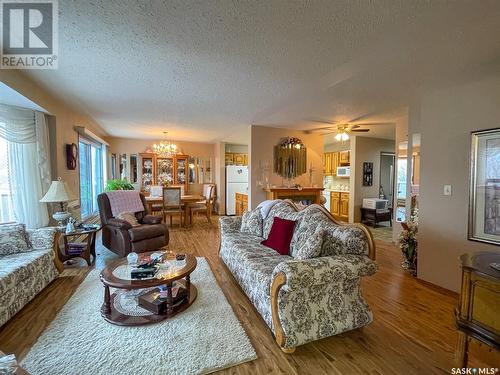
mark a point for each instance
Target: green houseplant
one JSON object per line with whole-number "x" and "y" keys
{"x": 408, "y": 240}
{"x": 118, "y": 184}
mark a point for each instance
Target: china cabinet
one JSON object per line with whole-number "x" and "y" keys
{"x": 156, "y": 170}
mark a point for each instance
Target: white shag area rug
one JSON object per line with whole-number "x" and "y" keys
{"x": 204, "y": 338}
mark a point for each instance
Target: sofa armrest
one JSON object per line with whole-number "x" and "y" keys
{"x": 42, "y": 238}
{"x": 324, "y": 270}
{"x": 120, "y": 224}
{"x": 151, "y": 219}
{"x": 230, "y": 224}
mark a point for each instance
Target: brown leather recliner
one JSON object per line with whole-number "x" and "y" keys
{"x": 121, "y": 238}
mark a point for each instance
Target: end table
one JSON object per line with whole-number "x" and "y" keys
{"x": 82, "y": 249}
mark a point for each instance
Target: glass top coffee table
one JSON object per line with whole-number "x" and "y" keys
{"x": 121, "y": 307}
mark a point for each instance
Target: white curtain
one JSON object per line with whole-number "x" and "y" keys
{"x": 27, "y": 138}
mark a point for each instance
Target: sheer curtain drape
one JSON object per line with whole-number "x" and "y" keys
{"x": 27, "y": 138}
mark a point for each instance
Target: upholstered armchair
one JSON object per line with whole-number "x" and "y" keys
{"x": 122, "y": 238}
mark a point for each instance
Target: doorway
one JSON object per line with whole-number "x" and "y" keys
{"x": 386, "y": 188}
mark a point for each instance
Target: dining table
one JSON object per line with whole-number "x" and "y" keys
{"x": 185, "y": 200}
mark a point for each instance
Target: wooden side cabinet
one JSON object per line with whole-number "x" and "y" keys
{"x": 339, "y": 205}
{"x": 478, "y": 313}
{"x": 241, "y": 204}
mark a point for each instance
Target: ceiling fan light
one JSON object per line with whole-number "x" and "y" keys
{"x": 344, "y": 137}
{"x": 338, "y": 137}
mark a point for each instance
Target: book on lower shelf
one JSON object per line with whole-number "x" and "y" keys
{"x": 76, "y": 247}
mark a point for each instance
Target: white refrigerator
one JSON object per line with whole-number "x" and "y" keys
{"x": 236, "y": 182}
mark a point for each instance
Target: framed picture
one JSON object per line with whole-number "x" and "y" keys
{"x": 367, "y": 173}
{"x": 484, "y": 190}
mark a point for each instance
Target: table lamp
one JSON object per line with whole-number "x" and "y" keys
{"x": 59, "y": 192}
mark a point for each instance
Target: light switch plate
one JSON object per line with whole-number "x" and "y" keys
{"x": 447, "y": 190}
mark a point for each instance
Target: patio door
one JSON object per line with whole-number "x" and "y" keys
{"x": 91, "y": 176}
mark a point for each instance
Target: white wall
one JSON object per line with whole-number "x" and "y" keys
{"x": 446, "y": 119}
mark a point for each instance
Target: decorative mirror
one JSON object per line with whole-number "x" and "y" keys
{"x": 290, "y": 158}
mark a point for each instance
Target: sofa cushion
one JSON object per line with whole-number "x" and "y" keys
{"x": 22, "y": 276}
{"x": 15, "y": 268}
{"x": 338, "y": 239}
{"x": 13, "y": 239}
{"x": 280, "y": 235}
{"x": 310, "y": 247}
{"x": 250, "y": 262}
{"x": 252, "y": 222}
{"x": 143, "y": 232}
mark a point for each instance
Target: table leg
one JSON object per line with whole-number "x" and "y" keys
{"x": 186, "y": 214}
{"x": 106, "y": 306}
{"x": 170, "y": 301}
{"x": 188, "y": 285}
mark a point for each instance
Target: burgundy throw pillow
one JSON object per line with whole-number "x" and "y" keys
{"x": 280, "y": 236}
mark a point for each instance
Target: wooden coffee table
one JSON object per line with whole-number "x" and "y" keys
{"x": 179, "y": 274}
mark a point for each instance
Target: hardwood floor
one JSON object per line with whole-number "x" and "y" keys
{"x": 413, "y": 329}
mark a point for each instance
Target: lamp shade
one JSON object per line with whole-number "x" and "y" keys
{"x": 58, "y": 192}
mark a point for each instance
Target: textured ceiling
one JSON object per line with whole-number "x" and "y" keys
{"x": 206, "y": 70}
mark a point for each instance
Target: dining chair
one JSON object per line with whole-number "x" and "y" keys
{"x": 205, "y": 205}
{"x": 183, "y": 192}
{"x": 172, "y": 203}
{"x": 156, "y": 191}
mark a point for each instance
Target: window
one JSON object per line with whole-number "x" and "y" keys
{"x": 6, "y": 210}
{"x": 91, "y": 176}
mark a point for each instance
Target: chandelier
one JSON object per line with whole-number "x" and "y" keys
{"x": 166, "y": 148}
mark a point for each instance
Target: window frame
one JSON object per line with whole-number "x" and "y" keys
{"x": 90, "y": 142}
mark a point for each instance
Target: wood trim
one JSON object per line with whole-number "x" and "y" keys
{"x": 278, "y": 281}
{"x": 364, "y": 228}
{"x": 57, "y": 259}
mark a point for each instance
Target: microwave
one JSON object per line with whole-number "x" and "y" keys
{"x": 343, "y": 171}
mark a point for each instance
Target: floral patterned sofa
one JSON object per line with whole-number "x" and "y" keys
{"x": 302, "y": 300}
{"x": 27, "y": 265}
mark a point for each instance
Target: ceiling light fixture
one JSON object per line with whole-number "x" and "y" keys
{"x": 342, "y": 136}
{"x": 166, "y": 148}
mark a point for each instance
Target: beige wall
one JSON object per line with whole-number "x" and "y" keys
{"x": 65, "y": 119}
{"x": 263, "y": 140}
{"x": 366, "y": 150}
{"x": 447, "y": 118}
{"x": 136, "y": 146}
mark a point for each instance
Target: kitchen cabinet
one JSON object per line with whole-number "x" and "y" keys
{"x": 332, "y": 160}
{"x": 344, "y": 158}
{"x": 344, "y": 206}
{"x": 335, "y": 203}
{"x": 339, "y": 205}
{"x": 232, "y": 158}
{"x": 241, "y": 204}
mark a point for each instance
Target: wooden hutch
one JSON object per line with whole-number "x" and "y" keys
{"x": 155, "y": 169}
{"x": 306, "y": 195}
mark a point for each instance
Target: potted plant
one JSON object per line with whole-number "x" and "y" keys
{"x": 408, "y": 240}
{"x": 118, "y": 184}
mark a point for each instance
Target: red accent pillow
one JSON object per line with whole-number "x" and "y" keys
{"x": 280, "y": 236}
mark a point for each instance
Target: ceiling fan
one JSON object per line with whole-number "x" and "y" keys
{"x": 341, "y": 128}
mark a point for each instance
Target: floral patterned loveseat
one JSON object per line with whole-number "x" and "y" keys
{"x": 302, "y": 300}
{"x": 27, "y": 265}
